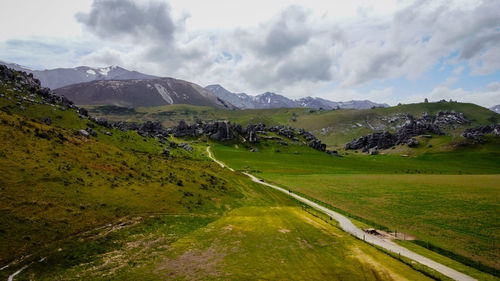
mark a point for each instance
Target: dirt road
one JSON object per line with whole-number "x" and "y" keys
{"x": 349, "y": 227}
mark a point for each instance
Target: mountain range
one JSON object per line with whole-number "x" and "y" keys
{"x": 60, "y": 77}
{"x": 119, "y": 86}
{"x": 272, "y": 100}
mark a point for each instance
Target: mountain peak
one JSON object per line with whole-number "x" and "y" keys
{"x": 495, "y": 108}
{"x": 273, "y": 100}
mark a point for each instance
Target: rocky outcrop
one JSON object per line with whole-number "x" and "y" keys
{"x": 251, "y": 133}
{"x": 377, "y": 140}
{"x": 450, "y": 117}
{"x": 183, "y": 129}
{"x": 221, "y": 131}
{"x": 152, "y": 129}
{"x": 316, "y": 144}
{"x": 22, "y": 81}
{"x": 412, "y": 127}
{"x": 480, "y": 131}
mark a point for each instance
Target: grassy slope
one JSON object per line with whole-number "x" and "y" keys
{"x": 113, "y": 207}
{"x": 59, "y": 185}
{"x": 340, "y": 125}
{"x": 457, "y": 212}
{"x": 263, "y": 241}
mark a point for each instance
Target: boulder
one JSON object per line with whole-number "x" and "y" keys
{"x": 151, "y": 129}
{"x": 316, "y": 144}
{"x": 83, "y": 133}
{"x": 251, "y": 133}
{"x": 222, "y": 131}
{"x": 91, "y": 132}
{"x": 83, "y": 112}
{"x": 412, "y": 142}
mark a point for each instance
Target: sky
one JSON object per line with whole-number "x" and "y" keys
{"x": 392, "y": 51}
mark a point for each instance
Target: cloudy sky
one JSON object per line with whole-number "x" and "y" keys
{"x": 386, "y": 51}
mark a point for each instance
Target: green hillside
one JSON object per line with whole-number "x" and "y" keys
{"x": 333, "y": 127}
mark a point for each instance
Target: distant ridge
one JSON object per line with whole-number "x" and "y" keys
{"x": 60, "y": 77}
{"x": 272, "y": 100}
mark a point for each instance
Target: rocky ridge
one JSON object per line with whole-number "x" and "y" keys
{"x": 22, "y": 81}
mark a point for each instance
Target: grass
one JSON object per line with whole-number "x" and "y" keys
{"x": 251, "y": 242}
{"x": 297, "y": 159}
{"x": 424, "y": 195}
{"x": 55, "y": 184}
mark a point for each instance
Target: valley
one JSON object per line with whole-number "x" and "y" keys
{"x": 250, "y": 140}
{"x": 86, "y": 198}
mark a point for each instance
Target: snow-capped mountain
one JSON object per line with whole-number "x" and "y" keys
{"x": 141, "y": 92}
{"x": 60, "y": 77}
{"x": 240, "y": 100}
{"x": 272, "y": 100}
{"x": 244, "y": 101}
{"x": 496, "y": 108}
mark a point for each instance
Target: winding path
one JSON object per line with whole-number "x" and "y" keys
{"x": 349, "y": 227}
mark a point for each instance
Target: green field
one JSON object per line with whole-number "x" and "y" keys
{"x": 254, "y": 242}
{"x": 450, "y": 199}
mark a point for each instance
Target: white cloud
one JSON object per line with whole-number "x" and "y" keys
{"x": 294, "y": 47}
{"x": 449, "y": 82}
{"x": 493, "y": 87}
{"x": 486, "y": 98}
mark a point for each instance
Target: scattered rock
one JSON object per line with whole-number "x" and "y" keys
{"x": 83, "y": 133}
{"x": 185, "y": 146}
{"x": 91, "y": 132}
